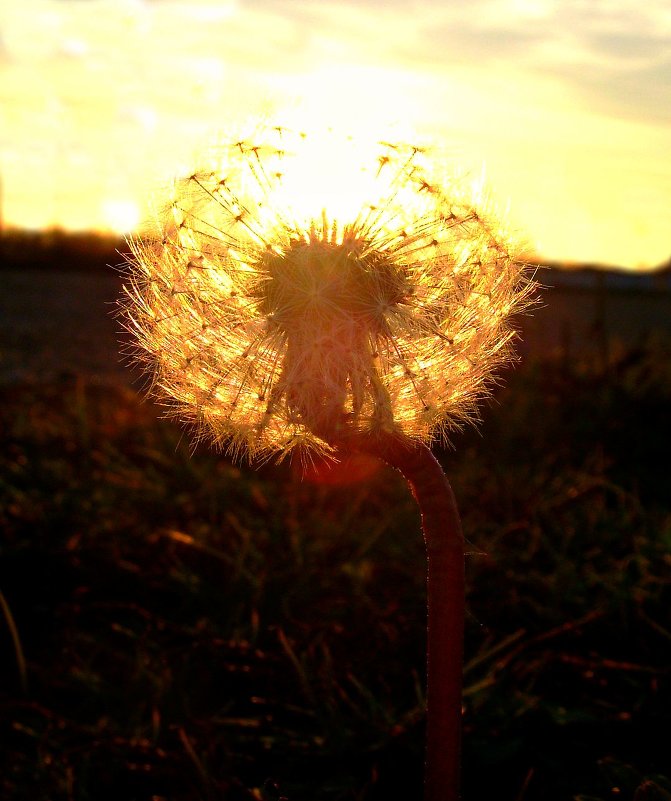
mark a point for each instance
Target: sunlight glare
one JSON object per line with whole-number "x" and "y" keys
{"x": 323, "y": 181}
{"x": 121, "y": 216}
{"x": 355, "y": 99}
{"x": 338, "y": 173}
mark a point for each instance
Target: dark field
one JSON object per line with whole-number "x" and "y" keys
{"x": 177, "y": 628}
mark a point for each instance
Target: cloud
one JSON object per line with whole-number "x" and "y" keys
{"x": 467, "y": 43}
{"x": 641, "y": 93}
{"x": 629, "y": 47}
{"x": 616, "y": 58}
{"x": 611, "y": 55}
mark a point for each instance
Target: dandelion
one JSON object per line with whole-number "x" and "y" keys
{"x": 312, "y": 297}
{"x": 274, "y": 327}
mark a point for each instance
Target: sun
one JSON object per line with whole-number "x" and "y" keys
{"x": 317, "y": 179}
{"x": 121, "y": 216}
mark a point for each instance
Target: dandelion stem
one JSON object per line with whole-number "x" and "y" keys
{"x": 443, "y": 538}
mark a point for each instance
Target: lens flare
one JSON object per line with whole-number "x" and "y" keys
{"x": 305, "y": 289}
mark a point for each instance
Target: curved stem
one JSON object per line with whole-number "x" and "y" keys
{"x": 445, "y": 590}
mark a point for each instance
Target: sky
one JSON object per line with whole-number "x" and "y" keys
{"x": 563, "y": 106}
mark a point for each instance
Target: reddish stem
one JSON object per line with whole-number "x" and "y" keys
{"x": 445, "y": 590}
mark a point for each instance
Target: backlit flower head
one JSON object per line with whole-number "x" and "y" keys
{"x": 301, "y": 291}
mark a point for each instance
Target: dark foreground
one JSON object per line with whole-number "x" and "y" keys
{"x": 195, "y": 630}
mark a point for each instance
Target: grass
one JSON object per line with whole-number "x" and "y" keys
{"x": 193, "y": 629}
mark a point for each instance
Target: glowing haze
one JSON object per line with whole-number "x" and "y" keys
{"x": 563, "y": 105}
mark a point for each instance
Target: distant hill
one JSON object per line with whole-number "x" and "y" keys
{"x": 56, "y": 249}
{"x": 598, "y": 276}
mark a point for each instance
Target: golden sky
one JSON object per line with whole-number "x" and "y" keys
{"x": 565, "y": 105}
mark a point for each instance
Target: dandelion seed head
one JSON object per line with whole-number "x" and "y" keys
{"x": 298, "y": 293}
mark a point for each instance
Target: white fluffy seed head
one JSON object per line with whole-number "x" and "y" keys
{"x": 296, "y": 295}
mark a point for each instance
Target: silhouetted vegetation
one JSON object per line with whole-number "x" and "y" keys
{"x": 56, "y": 249}
{"x": 198, "y": 630}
